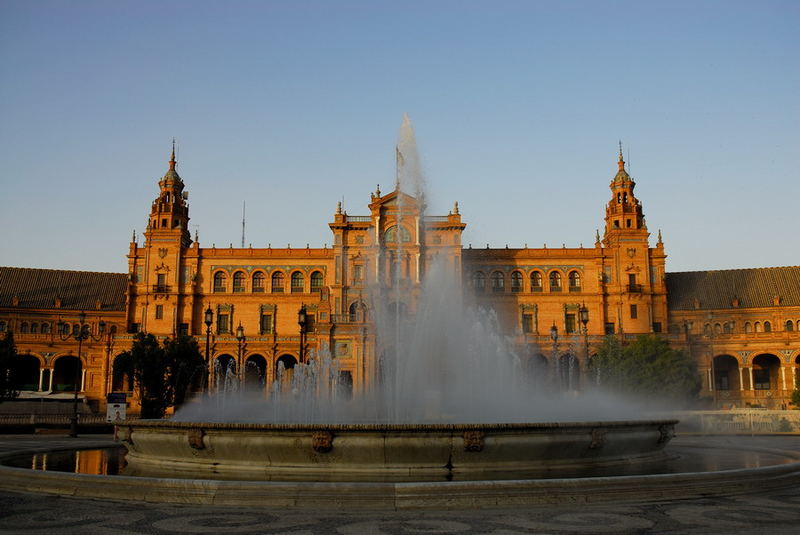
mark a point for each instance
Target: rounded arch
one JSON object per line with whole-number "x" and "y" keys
{"x": 536, "y": 368}
{"x": 766, "y": 371}
{"x": 574, "y": 281}
{"x": 26, "y": 372}
{"x": 46, "y": 327}
{"x": 277, "y": 282}
{"x": 255, "y": 372}
{"x": 358, "y": 311}
{"x": 748, "y": 327}
{"x": 390, "y": 235}
{"x": 568, "y": 371}
{"x": 67, "y": 373}
{"x": 220, "y": 281}
{"x": 536, "y": 281}
{"x": 317, "y": 281}
{"x": 516, "y": 281}
{"x": 757, "y": 327}
{"x": 789, "y": 325}
{"x": 555, "y": 280}
{"x": 258, "y": 282}
{"x": 24, "y": 327}
{"x": 298, "y": 282}
{"x": 479, "y": 281}
{"x": 726, "y": 372}
{"x": 225, "y": 372}
{"x": 238, "y": 281}
{"x": 717, "y": 328}
{"x": 123, "y": 382}
{"x": 767, "y": 327}
{"x": 284, "y": 370}
{"x": 498, "y": 281}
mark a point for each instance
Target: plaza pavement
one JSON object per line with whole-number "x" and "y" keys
{"x": 775, "y": 512}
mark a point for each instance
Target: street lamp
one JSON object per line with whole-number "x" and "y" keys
{"x": 554, "y": 338}
{"x": 240, "y": 343}
{"x": 83, "y": 332}
{"x": 302, "y": 321}
{"x": 208, "y": 320}
{"x": 583, "y": 314}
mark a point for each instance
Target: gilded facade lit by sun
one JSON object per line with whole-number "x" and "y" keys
{"x": 272, "y": 308}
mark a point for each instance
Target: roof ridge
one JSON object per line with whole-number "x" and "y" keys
{"x": 65, "y": 270}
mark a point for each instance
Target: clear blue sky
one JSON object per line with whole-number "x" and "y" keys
{"x": 293, "y": 106}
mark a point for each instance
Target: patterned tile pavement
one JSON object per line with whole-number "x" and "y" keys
{"x": 775, "y": 513}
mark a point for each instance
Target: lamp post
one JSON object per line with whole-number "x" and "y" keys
{"x": 583, "y": 314}
{"x": 554, "y": 338}
{"x": 302, "y": 321}
{"x": 83, "y": 332}
{"x": 208, "y": 320}
{"x": 240, "y": 343}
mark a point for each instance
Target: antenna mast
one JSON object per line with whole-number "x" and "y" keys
{"x": 243, "y": 206}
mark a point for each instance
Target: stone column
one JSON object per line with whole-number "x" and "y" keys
{"x": 41, "y": 378}
{"x": 783, "y": 375}
{"x": 741, "y": 379}
{"x": 50, "y": 386}
{"x": 750, "y": 371}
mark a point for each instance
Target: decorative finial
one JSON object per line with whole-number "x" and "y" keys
{"x": 621, "y": 162}
{"x": 133, "y": 239}
{"x": 339, "y": 207}
{"x": 455, "y": 209}
{"x": 378, "y": 191}
{"x": 660, "y": 242}
{"x": 195, "y": 236}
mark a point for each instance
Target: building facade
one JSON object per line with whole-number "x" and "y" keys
{"x": 261, "y": 311}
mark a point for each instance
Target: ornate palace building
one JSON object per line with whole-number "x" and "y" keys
{"x": 263, "y": 309}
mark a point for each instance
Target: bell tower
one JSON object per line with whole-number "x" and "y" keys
{"x": 624, "y": 215}
{"x": 169, "y": 214}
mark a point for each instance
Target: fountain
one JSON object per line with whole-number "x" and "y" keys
{"x": 451, "y": 399}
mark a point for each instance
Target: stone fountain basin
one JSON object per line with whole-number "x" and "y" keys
{"x": 381, "y": 449}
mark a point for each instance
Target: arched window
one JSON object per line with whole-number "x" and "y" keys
{"x": 516, "y": 281}
{"x": 717, "y": 328}
{"x": 45, "y": 328}
{"x": 479, "y": 281}
{"x": 536, "y": 281}
{"x": 238, "y": 281}
{"x": 297, "y": 282}
{"x": 277, "y": 282}
{"x": 34, "y": 328}
{"x": 358, "y": 311}
{"x": 707, "y": 329}
{"x": 727, "y": 327}
{"x": 789, "y": 325}
{"x": 220, "y": 281}
{"x": 758, "y": 326}
{"x": 574, "y": 281}
{"x": 258, "y": 282}
{"x": 767, "y": 327}
{"x": 390, "y": 236}
{"x": 555, "y": 281}
{"x": 316, "y": 281}
{"x": 498, "y": 282}
{"x": 24, "y": 327}
{"x": 748, "y": 328}
{"x": 3, "y": 326}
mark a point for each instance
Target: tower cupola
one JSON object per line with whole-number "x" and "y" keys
{"x": 170, "y": 211}
{"x": 624, "y": 211}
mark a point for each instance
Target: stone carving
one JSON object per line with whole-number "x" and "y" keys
{"x": 598, "y": 439}
{"x": 473, "y": 441}
{"x": 195, "y": 437}
{"x": 322, "y": 441}
{"x": 666, "y": 433}
{"x": 124, "y": 435}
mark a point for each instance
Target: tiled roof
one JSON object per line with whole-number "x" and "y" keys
{"x": 754, "y": 288}
{"x": 78, "y": 290}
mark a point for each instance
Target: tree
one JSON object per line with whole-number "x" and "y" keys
{"x": 161, "y": 375}
{"x": 8, "y": 367}
{"x": 648, "y": 367}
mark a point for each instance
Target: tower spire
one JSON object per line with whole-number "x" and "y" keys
{"x": 172, "y": 161}
{"x": 621, "y": 161}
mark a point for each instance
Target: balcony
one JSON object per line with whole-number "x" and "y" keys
{"x": 161, "y": 289}
{"x": 635, "y": 288}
